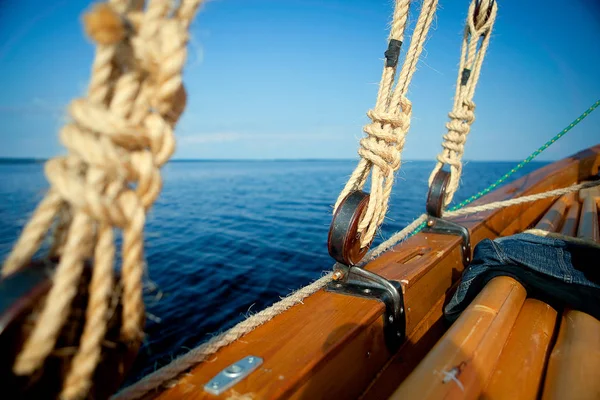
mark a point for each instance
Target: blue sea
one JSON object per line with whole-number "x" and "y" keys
{"x": 228, "y": 238}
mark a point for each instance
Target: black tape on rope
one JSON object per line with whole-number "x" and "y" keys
{"x": 466, "y": 74}
{"x": 393, "y": 53}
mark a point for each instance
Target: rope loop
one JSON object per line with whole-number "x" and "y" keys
{"x": 480, "y": 21}
{"x": 381, "y": 149}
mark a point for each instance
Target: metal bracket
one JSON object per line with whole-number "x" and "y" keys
{"x": 232, "y": 375}
{"x": 445, "y": 227}
{"x": 356, "y": 281}
{"x": 435, "y": 207}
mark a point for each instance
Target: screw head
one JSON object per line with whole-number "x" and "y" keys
{"x": 233, "y": 370}
{"x": 366, "y": 291}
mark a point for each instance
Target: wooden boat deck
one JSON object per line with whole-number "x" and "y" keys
{"x": 332, "y": 345}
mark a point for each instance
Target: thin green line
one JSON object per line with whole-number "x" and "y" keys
{"x": 521, "y": 164}
{"x": 528, "y": 159}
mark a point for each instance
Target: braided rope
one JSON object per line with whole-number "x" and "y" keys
{"x": 381, "y": 149}
{"x": 478, "y": 30}
{"x": 119, "y": 136}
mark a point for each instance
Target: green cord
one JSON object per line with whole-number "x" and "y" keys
{"x": 520, "y": 165}
{"x": 528, "y": 159}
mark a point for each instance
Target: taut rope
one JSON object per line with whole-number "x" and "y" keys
{"x": 120, "y": 134}
{"x": 419, "y": 222}
{"x": 380, "y": 150}
{"x": 476, "y": 39}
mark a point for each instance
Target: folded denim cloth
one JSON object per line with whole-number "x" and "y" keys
{"x": 556, "y": 271}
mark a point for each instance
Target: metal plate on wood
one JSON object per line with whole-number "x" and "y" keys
{"x": 445, "y": 227}
{"x": 231, "y": 375}
{"x": 362, "y": 283}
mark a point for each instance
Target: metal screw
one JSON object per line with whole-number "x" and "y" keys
{"x": 250, "y": 360}
{"x": 234, "y": 369}
{"x": 338, "y": 285}
{"x": 430, "y": 223}
{"x": 215, "y": 385}
{"x": 391, "y": 318}
{"x": 366, "y": 291}
{"x": 337, "y": 275}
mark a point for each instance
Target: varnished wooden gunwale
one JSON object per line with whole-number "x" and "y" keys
{"x": 332, "y": 345}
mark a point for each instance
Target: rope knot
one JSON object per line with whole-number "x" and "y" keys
{"x": 468, "y": 105}
{"x": 119, "y": 137}
{"x": 461, "y": 117}
{"x": 385, "y": 136}
{"x": 400, "y": 120}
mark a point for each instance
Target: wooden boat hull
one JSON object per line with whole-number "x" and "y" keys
{"x": 332, "y": 346}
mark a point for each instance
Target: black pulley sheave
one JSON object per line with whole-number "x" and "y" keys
{"x": 344, "y": 240}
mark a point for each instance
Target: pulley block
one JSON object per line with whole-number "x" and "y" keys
{"x": 343, "y": 241}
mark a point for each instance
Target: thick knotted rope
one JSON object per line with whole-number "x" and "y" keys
{"x": 119, "y": 136}
{"x": 381, "y": 149}
{"x": 476, "y": 39}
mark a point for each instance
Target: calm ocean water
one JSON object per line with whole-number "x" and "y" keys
{"x": 228, "y": 238}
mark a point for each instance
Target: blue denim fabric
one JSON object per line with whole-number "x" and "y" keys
{"x": 558, "y": 272}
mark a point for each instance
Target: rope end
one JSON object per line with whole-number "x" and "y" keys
{"x": 103, "y": 25}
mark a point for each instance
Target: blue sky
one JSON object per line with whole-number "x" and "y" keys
{"x": 294, "y": 78}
